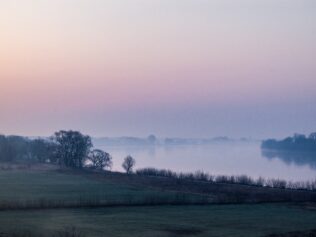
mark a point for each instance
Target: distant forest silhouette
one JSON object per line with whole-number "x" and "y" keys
{"x": 298, "y": 142}
{"x": 298, "y": 150}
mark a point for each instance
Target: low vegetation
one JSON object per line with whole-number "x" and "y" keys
{"x": 225, "y": 179}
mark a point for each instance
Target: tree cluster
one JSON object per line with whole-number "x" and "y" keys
{"x": 298, "y": 142}
{"x": 66, "y": 148}
{"x": 72, "y": 148}
{"x": 17, "y": 149}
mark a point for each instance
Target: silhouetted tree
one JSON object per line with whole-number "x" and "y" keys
{"x": 100, "y": 159}
{"x": 128, "y": 164}
{"x": 72, "y": 148}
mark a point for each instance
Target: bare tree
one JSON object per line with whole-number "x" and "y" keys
{"x": 128, "y": 164}
{"x": 100, "y": 159}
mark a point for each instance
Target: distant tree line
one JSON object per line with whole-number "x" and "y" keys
{"x": 226, "y": 179}
{"x": 65, "y": 148}
{"x": 16, "y": 149}
{"x": 298, "y": 142}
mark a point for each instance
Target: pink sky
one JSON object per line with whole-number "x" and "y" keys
{"x": 174, "y": 68}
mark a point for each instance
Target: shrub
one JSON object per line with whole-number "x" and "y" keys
{"x": 225, "y": 179}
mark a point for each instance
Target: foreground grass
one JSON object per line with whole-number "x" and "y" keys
{"x": 43, "y": 202}
{"x": 164, "y": 221}
{"x": 21, "y": 189}
{"x": 55, "y": 188}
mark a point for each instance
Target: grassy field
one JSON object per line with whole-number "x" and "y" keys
{"x": 164, "y": 221}
{"x": 51, "y": 188}
{"x": 43, "y": 202}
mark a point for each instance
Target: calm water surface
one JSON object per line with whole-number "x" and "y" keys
{"x": 221, "y": 158}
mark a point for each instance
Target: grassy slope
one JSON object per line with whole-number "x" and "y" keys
{"x": 213, "y": 220}
{"x": 216, "y": 192}
{"x": 42, "y": 188}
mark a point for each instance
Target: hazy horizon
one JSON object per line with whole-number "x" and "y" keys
{"x": 189, "y": 68}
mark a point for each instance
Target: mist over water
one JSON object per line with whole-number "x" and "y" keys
{"x": 228, "y": 158}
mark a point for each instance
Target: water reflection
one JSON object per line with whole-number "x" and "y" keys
{"x": 292, "y": 157}
{"x": 236, "y": 158}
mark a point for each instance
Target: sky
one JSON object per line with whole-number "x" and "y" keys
{"x": 173, "y": 68}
